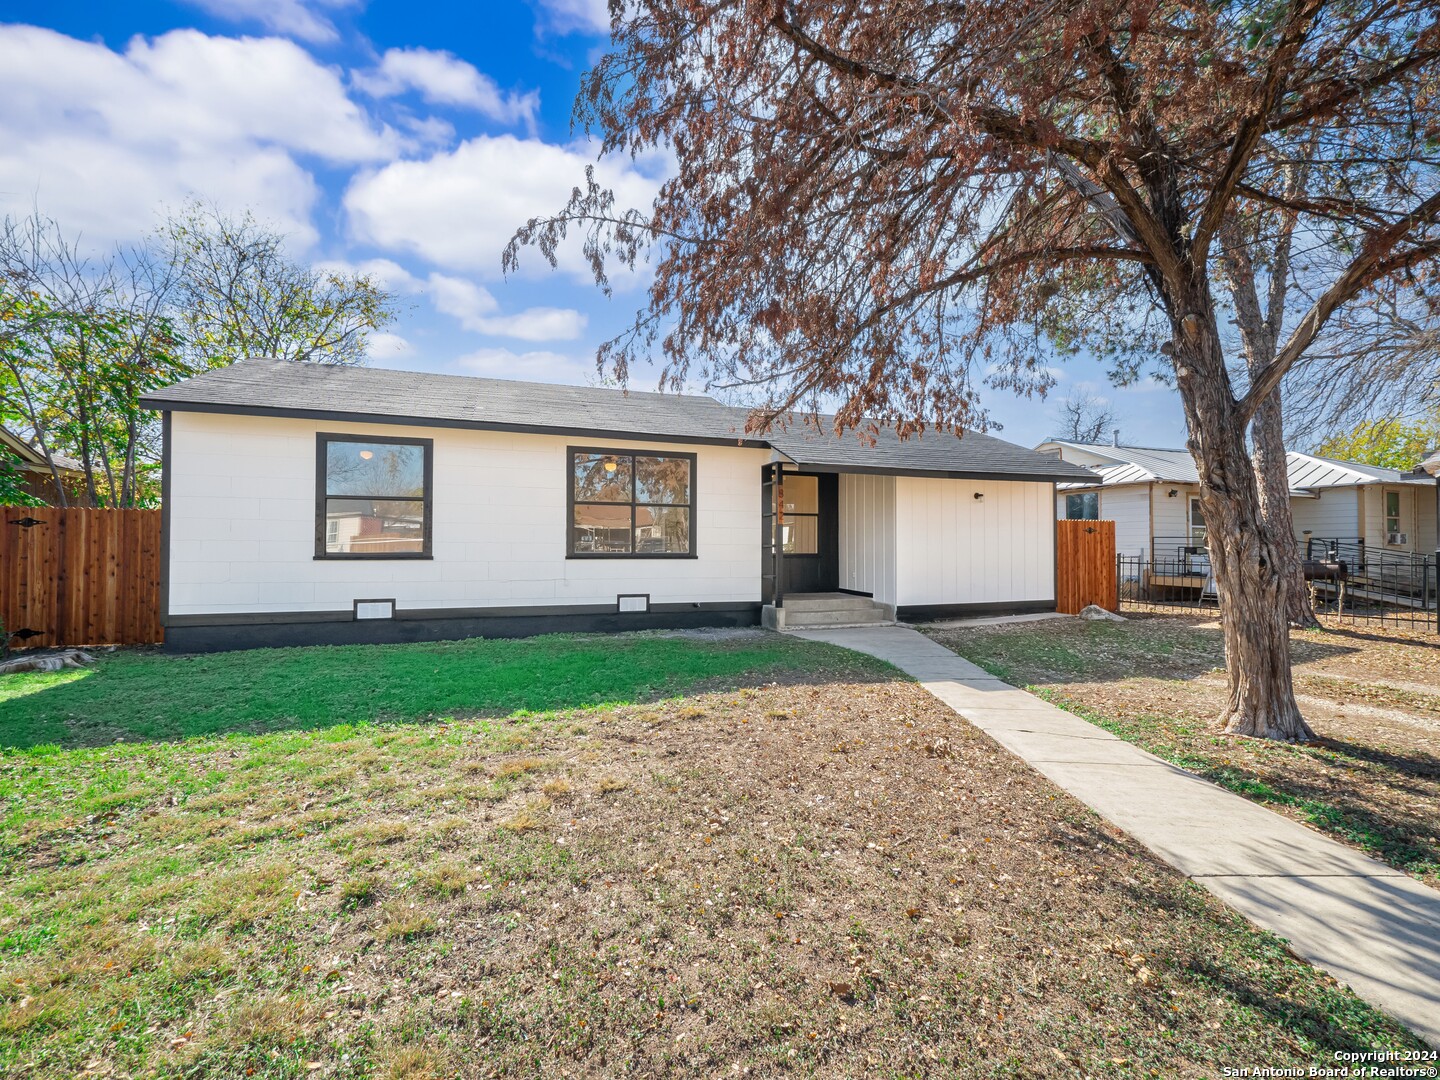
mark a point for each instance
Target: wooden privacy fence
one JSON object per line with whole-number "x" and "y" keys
{"x": 1085, "y": 566}
{"x": 80, "y": 577}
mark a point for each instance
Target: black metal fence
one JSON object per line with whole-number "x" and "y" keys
{"x": 1348, "y": 584}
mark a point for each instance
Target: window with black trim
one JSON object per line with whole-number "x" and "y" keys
{"x": 1083, "y": 506}
{"x": 631, "y": 504}
{"x": 372, "y": 497}
{"x": 800, "y": 521}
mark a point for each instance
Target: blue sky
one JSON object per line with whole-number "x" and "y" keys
{"x": 407, "y": 139}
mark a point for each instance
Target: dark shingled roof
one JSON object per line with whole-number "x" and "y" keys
{"x": 286, "y": 388}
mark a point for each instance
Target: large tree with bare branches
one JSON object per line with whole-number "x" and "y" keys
{"x": 890, "y": 203}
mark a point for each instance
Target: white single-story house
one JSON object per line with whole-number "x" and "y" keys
{"x": 308, "y": 504}
{"x": 1153, "y": 496}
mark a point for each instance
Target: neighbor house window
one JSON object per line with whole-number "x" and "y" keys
{"x": 373, "y": 497}
{"x": 1392, "y": 514}
{"x": 1084, "y": 506}
{"x": 1197, "y": 522}
{"x": 631, "y": 504}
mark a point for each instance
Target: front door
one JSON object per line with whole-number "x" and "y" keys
{"x": 808, "y": 532}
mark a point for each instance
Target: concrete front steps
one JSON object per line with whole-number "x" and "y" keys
{"x": 803, "y": 610}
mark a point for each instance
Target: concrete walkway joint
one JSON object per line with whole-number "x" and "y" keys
{"x": 1371, "y": 926}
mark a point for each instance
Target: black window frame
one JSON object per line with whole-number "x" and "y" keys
{"x": 1082, "y": 495}
{"x": 630, "y": 452}
{"x": 323, "y": 439}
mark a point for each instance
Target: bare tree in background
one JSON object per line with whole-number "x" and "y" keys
{"x": 1377, "y": 361}
{"x": 238, "y": 292}
{"x": 1083, "y": 417}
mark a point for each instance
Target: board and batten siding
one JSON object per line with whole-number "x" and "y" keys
{"x": 867, "y": 535}
{"x": 242, "y": 524}
{"x": 952, "y": 548}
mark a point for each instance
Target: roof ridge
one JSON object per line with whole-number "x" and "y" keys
{"x": 363, "y": 369}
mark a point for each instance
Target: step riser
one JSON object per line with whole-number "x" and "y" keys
{"x": 797, "y": 619}
{"x": 829, "y": 603}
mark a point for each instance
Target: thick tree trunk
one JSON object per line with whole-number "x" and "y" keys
{"x": 1259, "y": 331}
{"x": 1247, "y": 566}
{"x": 1267, "y": 435}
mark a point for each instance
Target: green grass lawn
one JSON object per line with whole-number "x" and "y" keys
{"x": 151, "y": 696}
{"x": 829, "y": 874}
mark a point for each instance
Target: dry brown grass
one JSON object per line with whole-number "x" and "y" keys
{"x": 1373, "y": 777}
{"x": 838, "y": 880}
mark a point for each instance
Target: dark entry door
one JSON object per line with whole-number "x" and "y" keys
{"x": 808, "y": 531}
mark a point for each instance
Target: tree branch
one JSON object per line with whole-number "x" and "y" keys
{"x": 1373, "y": 262}
{"x": 1252, "y": 128}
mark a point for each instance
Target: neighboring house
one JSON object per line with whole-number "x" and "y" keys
{"x": 1153, "y": 496}
{"x": 313, "y": 504}
{"x": 36, "y": 476}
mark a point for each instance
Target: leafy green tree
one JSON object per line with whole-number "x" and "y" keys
{"x": 81, "y": 341}
{"x": 1391, "y": 443}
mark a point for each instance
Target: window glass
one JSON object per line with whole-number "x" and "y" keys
{"x": 1392, "y": 512}
{"x": 631, "y": 503}
{"x": 365, "y": 468}
{"x": 606, "y": 478}
{"x": 374, "y": 499}
{"x": 662, "y": 480}
{"x": 662, "y": 530}
{"x": 802, "y": 494}
{"x": 602, "y": 530}
{"x": 374, "y": 526}
{"x": 1083, "y": 506}
{"x": 800, "y": 534}
{"x": 1197, "y": 521}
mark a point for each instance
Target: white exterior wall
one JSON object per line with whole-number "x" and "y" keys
{"x": 952, "y": 548}
{"x": 1335, "y": 514}
{"x": 1129, "y": 508}
{"x": 1425, "y": 519}
{"x": 1171, "y": 516}
{"x": 242, "y": 524}
{"x": 1375, "y": 533}
{"x": 867, "y": 535}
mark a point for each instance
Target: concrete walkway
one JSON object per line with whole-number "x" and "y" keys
{"x": 1371, "y": 926}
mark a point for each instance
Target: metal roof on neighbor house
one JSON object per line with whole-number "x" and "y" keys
{"x": 1148, "y": 465}
{"x": 261, "y": 387}
{"x": 1138, "y": 464}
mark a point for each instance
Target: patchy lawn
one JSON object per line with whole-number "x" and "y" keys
{"x": 143, "y": 694}
{"x": 1373, "y": 779}
{"x": 827, "y": 874}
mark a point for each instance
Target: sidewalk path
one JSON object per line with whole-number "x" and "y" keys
{"x": 1371, "y": 926}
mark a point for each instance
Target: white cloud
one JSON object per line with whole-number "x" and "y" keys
{"x": 442, "y": 78}
{"x": 586, "y": 16}
{"x": 293, "y": 18}
{"x": 102, "y": 139}
{"x": 386, "y": 273}
{"x": 477, "y": 310}
{"x": 458, "y": 208}
{"x": 383, "y": 347}
{"x": 536, "y": 366}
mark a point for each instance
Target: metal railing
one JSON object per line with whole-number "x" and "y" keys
{"x": 1391, "y": 588}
